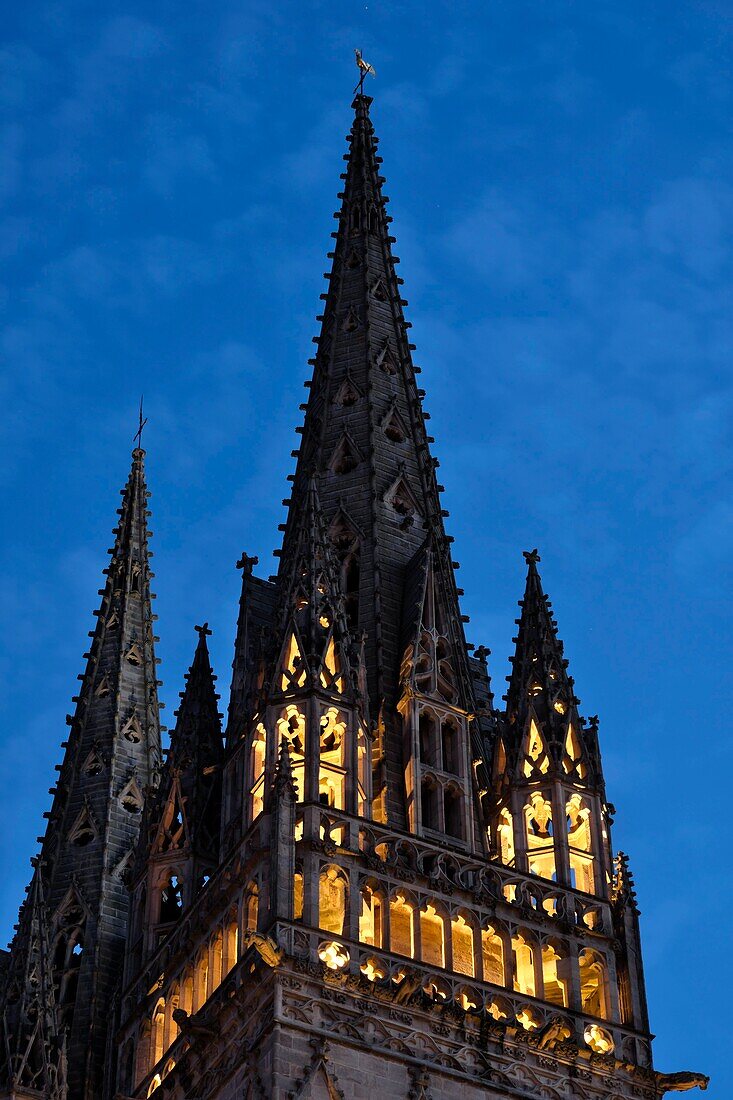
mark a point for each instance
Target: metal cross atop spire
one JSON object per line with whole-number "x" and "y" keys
{"x": 364, "y": 70}
{"x": 138, "y": 436}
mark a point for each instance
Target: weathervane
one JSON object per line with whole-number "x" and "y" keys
{"x": 141, "y": 424}
{"x": 364, "y": 70}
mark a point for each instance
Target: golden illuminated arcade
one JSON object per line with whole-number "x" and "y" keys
{"x": 376, "y": 877}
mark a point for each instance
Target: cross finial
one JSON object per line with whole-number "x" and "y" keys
{"x": 531, "y": 556}
{"x": 203, "y": 631}
{"x": 247, "y": 563}
{"x": 365, "y": 69}
{"x": 138, "y": 436}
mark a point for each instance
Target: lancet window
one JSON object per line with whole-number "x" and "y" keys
{"x": 580, "y": 843}
{"x": 432, "y": 936}
{"x": 257, "y": 769}
{"x": 593, "y": 984}
{"x": 492, "y": 956}
{"x": 555, "y": 976}
{"x": 463, "y": 944}
{"x": 401, "y": 927}
{"x": 291, "y": 726}
{"x": 540, "y": 835}
{"x": 505, "y": 837}
{"x": 523, "y": 966}
{"x": 332, "y": 900}
{"x": 332, "y": 759}
{"x": 371, "y": 917}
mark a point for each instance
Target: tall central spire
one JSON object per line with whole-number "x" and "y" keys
{"x": 364, "y": 436}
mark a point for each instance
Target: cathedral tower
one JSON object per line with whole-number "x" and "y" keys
{"x": 380, "y": 880}
{"x": 415, "y": 892}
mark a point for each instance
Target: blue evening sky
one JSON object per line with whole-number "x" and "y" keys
{"x": 562, "y": 193}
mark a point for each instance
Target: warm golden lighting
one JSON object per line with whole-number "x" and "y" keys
{"x": 463, "y": 946}
{"x": 372, "y": 970}
{"x": 554, "y": 978}
{"x": 334, "y": 955}
{"x": 539, "y": 835}
{"x": 492, "y": 951}
{"x": 332, "y": 893}
{"x": 534, "y": 751}
{"x": 432, "y": 931}
{"x": 598, "y": 1039}
{"x": 294, "y": 672}
{"x": 528, "y": 1019}
{"x": 524, "y": 975}
{"x": 402, "y": 936}
{"x": 370, "y": 918}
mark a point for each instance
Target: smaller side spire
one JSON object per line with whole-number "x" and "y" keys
{"x": 314, "y": 647}
{"x": 179, "y": 840}
{"x": 32, "y": 1048}
{"x": 549, "y": 814}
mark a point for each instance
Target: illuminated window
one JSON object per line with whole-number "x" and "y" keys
{"x": 593, "y": 984}
{"x": 294, "y": 669}
{"x": 332, "y": 773}
{"x": 251, "y": 909}
{"x": 362, "y": 756}
{"x": 291, "y": 726}
{"x": 432, "y": 932}
{"x": 462, "y": 940}
{"x": 187, "y": 993}
{"x": 539, "y": 833}
{"x": 535, "y": 754}
{"x": 505, "y": 831}
{"x": 257, "y": 766}
{"x": 331, "y": 671}
{"x": 298, "y": 896}
{"x": 332, "y": 892}
{"x": 492, "y": 954}
{"x": 573, "y": 756}
{"x": 580, "y": 843}
{"x": 523, "y": 959}
{"x": 157, "y": 1034}
{"x": 217, "y": 960}
{"x": 171, "y": 1027}
{"x": 370, "y": 918}
{"x": 401, "y": 931}
{"x": 554, "y": 977}
{"x": 232, "y": 942}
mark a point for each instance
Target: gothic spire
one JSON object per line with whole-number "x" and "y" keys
{"x": 539, "y": 681}
{"x": 111, "y": 756}
{"x": 313, "y": 641}
{"x": 189, "y": 798}
{"x": 365, "y": 438}
{"x": 541, "y": 707}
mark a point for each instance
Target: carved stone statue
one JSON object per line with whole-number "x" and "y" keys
{"x": 556, "y": 1030}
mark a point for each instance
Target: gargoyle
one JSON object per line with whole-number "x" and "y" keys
{"x": 556, "y": 1030}
{"x": 681, "y": 1082}
{"x": 409, "y": 985}
{"x": 192, "y": 1026}
{"x": 266, "y": 948}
